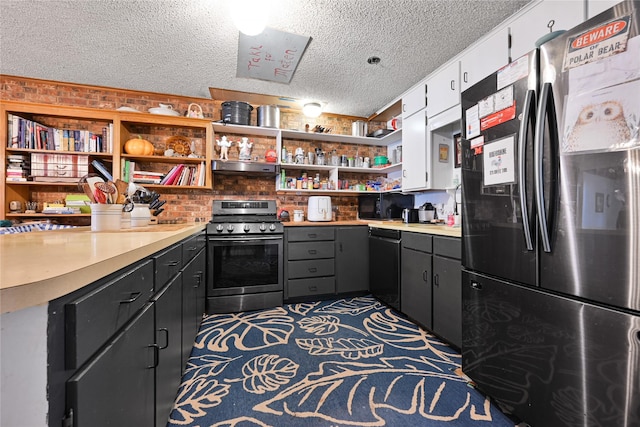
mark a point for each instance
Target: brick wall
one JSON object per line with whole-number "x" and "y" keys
{"x": 193, "y": 205}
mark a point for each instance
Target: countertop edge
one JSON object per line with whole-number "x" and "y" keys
{"x": 439, "y": 230}
{"x": 40, "y": 292}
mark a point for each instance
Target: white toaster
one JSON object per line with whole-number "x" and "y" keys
{"x": 319, "y": 208}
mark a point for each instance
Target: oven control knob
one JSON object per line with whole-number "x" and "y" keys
{"x": 219, "y": 228}
{"x": 263, "y": 227}
{"x": 230, "y": 228}
{"x": 272, "y": 227}
{"x": 246, "y": 228}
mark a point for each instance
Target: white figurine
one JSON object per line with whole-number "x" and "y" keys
{"x": 299, "y": 155}
{"x": 245, "y": 148}
{"x": 224, "y": 147}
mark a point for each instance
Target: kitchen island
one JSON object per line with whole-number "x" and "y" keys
{"x": 40, "y": 266}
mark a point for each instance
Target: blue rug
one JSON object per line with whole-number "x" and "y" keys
{"x": 347, "y": 362}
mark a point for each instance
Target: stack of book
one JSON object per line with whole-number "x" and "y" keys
{"x": 146, "y": 177}
{"x": 17, "y": 167}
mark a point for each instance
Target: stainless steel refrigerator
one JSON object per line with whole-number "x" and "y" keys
{"x": 551, "y": 228}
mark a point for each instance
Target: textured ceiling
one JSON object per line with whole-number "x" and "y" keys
{"x": 183, "y": 47}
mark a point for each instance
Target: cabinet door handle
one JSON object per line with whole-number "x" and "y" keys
{"x": 313, "y": 288}
{"x": 193, "y": 248}
{"x": 465, "y": 77}
{"x": 436, "y": 280}
{"x": 156, "y": 355}
{"x": 312, "y": 252}
{"x": 340, "y": 246}
{"x": 134, "y": 296}
{"x": 312, "y": 269}
{"x": 172, "y": 263}
{"x": 475, "y": 285}
{"x": 312, "y": 235}
{"x": 166, "y": 338}
{"x": 425, "y": 276}
{"x": 198, "y": 277}
{"x": 453, "y": 85}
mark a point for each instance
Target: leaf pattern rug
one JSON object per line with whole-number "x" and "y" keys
{"x": 346, "y": 362}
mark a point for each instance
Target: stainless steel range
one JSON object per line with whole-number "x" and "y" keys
{"x": 244, "y": 256}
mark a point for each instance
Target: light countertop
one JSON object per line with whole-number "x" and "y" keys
{"x": 440, "y": 230}
{"x": 40, "y": 266}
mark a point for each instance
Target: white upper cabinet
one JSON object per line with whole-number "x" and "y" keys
{"x": 443, "y": 89}
{"x": 594, "y": 7}
{"x": 482, "y": 59}
{"x": 533, "y": 24}
{"x": 415, "y": 157}
{"x": 414, "y": 100}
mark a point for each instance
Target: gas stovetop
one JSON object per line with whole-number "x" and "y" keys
{"x": 244, "y": 217}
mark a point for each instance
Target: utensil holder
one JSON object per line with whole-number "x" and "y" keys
{"x": 105, "y": 217}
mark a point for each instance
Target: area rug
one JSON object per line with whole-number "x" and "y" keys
{"x": 346, "y": 362}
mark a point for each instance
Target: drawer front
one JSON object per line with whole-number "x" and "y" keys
{"x": 167, "y": 264}
{"x": 417, "y": 241}
{"x": 308, "y": 234}
{"x": 192, "y": 246}
{"x": 310, "y": 250}
{"x": 311, "y": 268}
{"x": 307, "y": 287}
{"x": 93, "y": 318}
{"x": 447, "y": 246}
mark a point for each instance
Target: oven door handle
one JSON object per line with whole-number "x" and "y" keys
{"x": 243, "y": 239}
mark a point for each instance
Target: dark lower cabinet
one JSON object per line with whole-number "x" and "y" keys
{"x": 115, "y": 387}
{"x": 447, "y": 299}
{"x": 352, "y": 259}
{"x": 193, "y": 300}
{"x": 415, "y": 282}
{"x": 168, "y": 334}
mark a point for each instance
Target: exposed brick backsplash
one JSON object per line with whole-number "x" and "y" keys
{"x": 195, "y": 205}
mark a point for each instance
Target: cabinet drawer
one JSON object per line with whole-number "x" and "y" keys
{"x": 306, "y": 234}
{"x": 447, "y": 246}
{"x": 167, "y": 264}
{"x": 91, "y": 319}
{"x": 310, "y": 250}
{"x": 306, "y": 287}
{"x": 311, "y": 268}
{"x": 417, "y": 241}
{"x": 191, "y": 246}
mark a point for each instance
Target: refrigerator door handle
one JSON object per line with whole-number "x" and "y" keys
{"x": 538, "y": 149}
{"x": 527, "y": 117}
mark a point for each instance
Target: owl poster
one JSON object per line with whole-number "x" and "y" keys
{"x": 602, "y": 110}
{"x": 603, "y": 120}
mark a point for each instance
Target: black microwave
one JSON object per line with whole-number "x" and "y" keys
{"x": 383, "y": 206}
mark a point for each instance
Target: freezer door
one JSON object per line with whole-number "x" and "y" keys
{"x": 587, "y": 160}
{"x": 498, "y": 118}
{"x": 550, "y": 360}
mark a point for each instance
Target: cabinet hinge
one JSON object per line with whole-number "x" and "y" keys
{"x": 67, "y": 421}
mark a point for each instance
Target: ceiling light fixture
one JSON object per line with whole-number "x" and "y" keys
{"x": 250, "y": 16}
{"x": 312, "y": 109}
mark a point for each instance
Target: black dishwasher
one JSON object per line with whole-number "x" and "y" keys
{"x": 384, "y": 265}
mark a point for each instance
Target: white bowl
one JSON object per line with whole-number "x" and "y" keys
{"x": 164, "y": 111}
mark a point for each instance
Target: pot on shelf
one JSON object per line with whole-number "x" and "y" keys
{"x": 269, "y": 116}
{"x": 236, "y": 112}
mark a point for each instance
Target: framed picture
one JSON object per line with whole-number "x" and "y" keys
{"x": 457, "y": 145}
{"x": 444, "y": 153}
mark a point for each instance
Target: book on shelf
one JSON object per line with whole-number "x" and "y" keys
{"x": 62, "y": 179}
{"x": 28, "y": 134}
{"x": 102, "y": 170}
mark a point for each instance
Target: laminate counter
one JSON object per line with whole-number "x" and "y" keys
{"x": 39, "y": 266}
{"x": 440, "y": 230}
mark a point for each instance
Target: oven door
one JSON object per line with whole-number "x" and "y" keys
{"x": 242, "y": 265}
